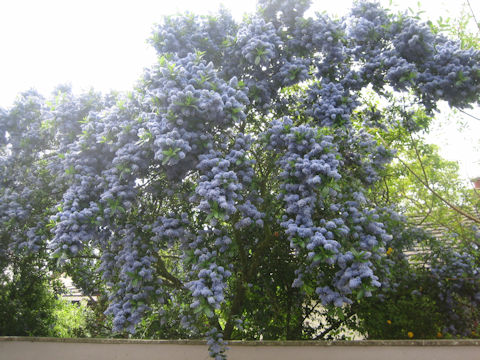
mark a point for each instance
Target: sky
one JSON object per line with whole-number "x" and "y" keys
{"x": 101, "y": 44}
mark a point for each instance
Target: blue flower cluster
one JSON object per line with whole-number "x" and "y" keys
{"x": 402, "y": 52}
{"x": 135, "y": 285}
{"x": 35, "y": 133}
{"x": 257, "y": 42}
{"x": 216, "y": 344}
{"x": 456, "y": 272}
{"x": 186, "y": 109}
{"x": 330, "y": 104}
{"x": 325, "y": 226}
{"x": 182, "y": 35}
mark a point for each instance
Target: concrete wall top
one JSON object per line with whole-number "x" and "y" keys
{"x": 32, "y": 348}
{"x": 439, "y": 342}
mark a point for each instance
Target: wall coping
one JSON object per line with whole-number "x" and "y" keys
{"x": 441, "y": 342}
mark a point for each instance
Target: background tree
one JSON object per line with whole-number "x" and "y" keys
{"x": 34, "y": 133}
{"x": 429, "y": 192}
{"x": 26, "y": 303}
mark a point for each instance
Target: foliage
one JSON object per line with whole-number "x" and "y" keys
{"x": 70, "y": 319}
{"x": 463, "y": 27}
{"x": 432, "y": 296}
{"x": 428, "y": 190}
{"x": 232, "y": 191}
{"x": 440, "y": 278}
{"x": 27, "y": 305}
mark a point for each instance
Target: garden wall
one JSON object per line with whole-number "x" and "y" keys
{"x": 24, "y": 348}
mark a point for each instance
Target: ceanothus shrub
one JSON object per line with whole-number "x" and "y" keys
{"x": 241, "y": 136}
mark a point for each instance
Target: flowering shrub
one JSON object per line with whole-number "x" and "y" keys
{"x": 243, "y": 141}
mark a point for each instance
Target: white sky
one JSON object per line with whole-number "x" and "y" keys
{"x": 102, "y": 44}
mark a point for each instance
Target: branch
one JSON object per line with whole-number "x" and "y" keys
{"x": 260, "y": 251}
{"x": 387, "y": 190}
{"x": 162, "y": 271}
{"x": 474, "y": 117}
{"x": 413, "y": 200}
{"x": 473, "y": 14}
{"x": 425, "y": 217}
{"x": 86, "y": 257}
{"x": 240, "y": 290}
{"x": 213, "y": 321}
{"x": 436, "y": 194}
{"x": 419, "y": 159}
{"x": 455, "y": 278}
{"x": 308, "y": 312}
{"x": 236, "y": 309}
{"x": 335, "y": 324}
{"x": 447, "y": 225}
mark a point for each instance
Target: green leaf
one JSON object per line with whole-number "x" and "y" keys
{"x": 208, "y": 312}
{"x": 131, "y": 274}
{"x": 360, "y": 294}
{"x": 70, "y": 170}
{"x": 317, "y": 257}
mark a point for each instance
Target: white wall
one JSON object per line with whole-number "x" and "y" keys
{"x": 13, "y": 348}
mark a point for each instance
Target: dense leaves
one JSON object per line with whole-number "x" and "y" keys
{"x": 27, "y": 304}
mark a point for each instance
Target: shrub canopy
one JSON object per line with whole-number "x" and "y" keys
{"x": 234, "y": 183}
